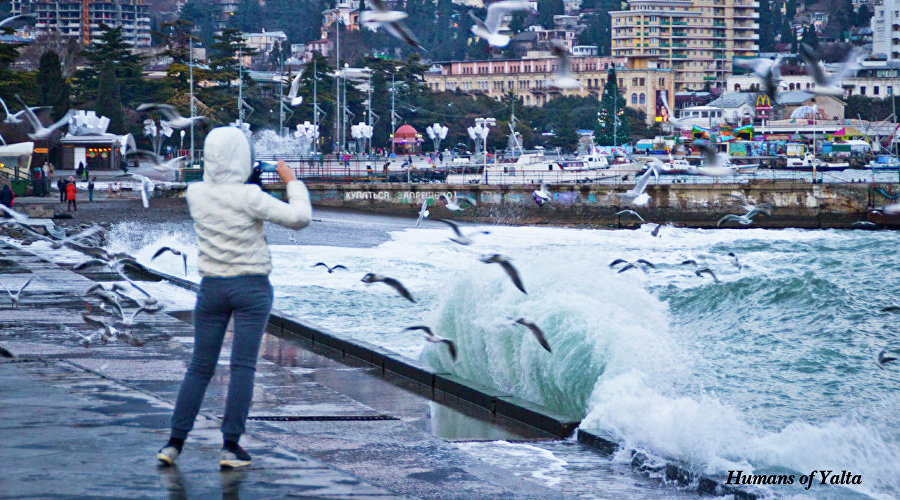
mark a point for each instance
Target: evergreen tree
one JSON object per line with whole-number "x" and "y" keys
{"x": 109, "y": 101}
{"x": 248, "y": 16}
{"x": 611, "y": 128}
{"x": 54, "y": 91}
{"x": 810, "y": 38}
{"x": 225, "y": 48}
{"x": 547, "y": 9}
{"x": 110, "y": 52}
{"x": 200, "y": 13}
{"x": 766, "y": 27}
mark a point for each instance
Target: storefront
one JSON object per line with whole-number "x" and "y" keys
{"x": 96, "y": 152}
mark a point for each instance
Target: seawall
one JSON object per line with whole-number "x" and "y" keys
{"x": 795, "y": 204}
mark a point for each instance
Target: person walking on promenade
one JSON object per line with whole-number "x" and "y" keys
{"x": 7, "y": 196}
{"x": 234, "y": 264}
{"x": 91, "y": 189}
{"x": 61, "y": 184}
{"x": 70, "y": 195}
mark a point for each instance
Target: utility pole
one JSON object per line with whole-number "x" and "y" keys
{"x": 315, "y": 105}
{"x": 281, "y": 90}
{"x": 393, "y": 112}
{"x": 338, "y": 112}
{"x": 191, "y": 67}
{"x": 240, "y": 102}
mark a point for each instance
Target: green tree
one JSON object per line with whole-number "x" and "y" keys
{"x": 810, "y": 38}
{"x": 248, "y": 16}
{"x": 766, "y": 27}
{"x": 109, "y": 101}
{"x": 547, "y": 9}
{"x": 226, "y": 48}
{"x": 54, "y": 91}
{"x": 110, "y": 52}
{"x": 611, "y": 128}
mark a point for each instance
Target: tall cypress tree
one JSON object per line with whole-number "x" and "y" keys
{"x": 109, "y": 101}
{"x": 54, "y": 91}
{"x": 611, "y": 128}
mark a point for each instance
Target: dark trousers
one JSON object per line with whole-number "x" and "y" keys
{"x": 70, "y": 204}
{"x": 249, "y": 300}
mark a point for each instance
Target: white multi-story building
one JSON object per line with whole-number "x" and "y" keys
{"x": 65, "y": 17}
{"x": 886, "y": 29}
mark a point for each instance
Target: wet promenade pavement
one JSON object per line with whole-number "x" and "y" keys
{"x": 86, "y": 421}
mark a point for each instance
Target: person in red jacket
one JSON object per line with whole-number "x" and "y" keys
{"x": 70, "y": 195}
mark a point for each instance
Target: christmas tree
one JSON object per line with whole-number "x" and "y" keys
{"x": 612, "y": 128}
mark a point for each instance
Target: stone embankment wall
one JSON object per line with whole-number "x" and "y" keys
{"x": 802, "y": 205}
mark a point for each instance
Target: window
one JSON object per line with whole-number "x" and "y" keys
{"x": 875, "y": 90}
{"x": 642, "y": 98}
{"x": 634, "y": 98}
{"x": 862, "y": 90}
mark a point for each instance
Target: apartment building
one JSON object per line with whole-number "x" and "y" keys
{"x": 696, "y": 39}
{"x": 65, "y": 17}
{"x": 640, "y": 82}
{"x": 886, "y": 29}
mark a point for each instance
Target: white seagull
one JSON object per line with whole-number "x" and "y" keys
{"x": 423, "y": 213}
{"x": 636, "y": 195}
{"x": 390, "y": 20}
{"x": 16, "y": 118}
{"x": 454, "y": 205}
{"x": 174, "y": 118}
{"x": 508, "y": 267}
{"x": 292, "y": 98}
{"x": 489, "y": 29}
{"x": 40, "y": 131}
{"x": 542, "y": 194}
{"x": 715, "y": 164}
{"x": 16, "y": 296}
{"x": 563, "y": 79}
{"x": 538, "y": 333}
{"x": 833, "y": 85}
{"x": 629, "y": 212}
{"x": 12, "y": 19}
{"x": 391, "y": 282}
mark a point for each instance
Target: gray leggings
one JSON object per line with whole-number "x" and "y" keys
{"x": 249, "y": 300}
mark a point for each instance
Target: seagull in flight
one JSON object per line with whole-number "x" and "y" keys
{"x": 768, "y": 70}
{"x": 538, "y": 333}
{"x": 16, "y": 118}
{"x": 636, "y": 195}
{"x": 489, "y": 29}
{"x": 749, "y": 206}
{"x": 147, "y": 187}
{"x": 833, "y": 85}
{"x": 507, "y": 266}
{"x": 330, "y": 269}
{"x": 541, "y": 196}
{"x": 390, "y": 20}
{"x": 705, "y": 270}
{"x": 715, "y": 164}
{"x": 391, "y": 282}
{"x": 629, "y": 212}
{"x": 173, "y": 251}
{"x": 563, "y": 78}
{"x": 423, "y": 213}
{"x": 17, "y": 217}
{"x": 454, "y": 206}
{"x": 171, "y": 113}
{"x": 431, "y": 337}
{"x": 40, "y": 131}
{"x": 18, "y": 295}
{"x": 460, "y": 238}
{"x": 886, "y": 356}
{"x": 642, "y": 263}
{"x": 735, "y": 262}
{"x": 10, "y": 20}
{"x": 655, "y": 232}
{"x": 292, "y": 98}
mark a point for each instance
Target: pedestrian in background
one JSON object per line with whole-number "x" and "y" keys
{"x": 7, "y": 196}
{"x": 234, "y": 263}
{"x": 61, "y": 184}
{"x": 70, "y": 195}
{"x": 91, "y": 189}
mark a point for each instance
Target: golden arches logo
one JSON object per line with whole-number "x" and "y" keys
{"x": 762, "y": 101}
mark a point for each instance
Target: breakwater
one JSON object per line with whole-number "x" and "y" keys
{"x": 794, "y": 204}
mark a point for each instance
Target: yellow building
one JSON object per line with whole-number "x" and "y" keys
{"x": 641, "y": 83}
{"x": 696, "y": 39}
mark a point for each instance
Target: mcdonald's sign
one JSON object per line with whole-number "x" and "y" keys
{"x": 763, "y": 102}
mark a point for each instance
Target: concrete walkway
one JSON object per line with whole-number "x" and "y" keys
{"x": 87, "y": 421}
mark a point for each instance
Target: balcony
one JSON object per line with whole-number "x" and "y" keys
{"x": 679, "y": 44}
{"x": 718, "y": 56}
{"x": 718, "y": 45}
{"x": 680, "y": 23}
{"x": 710, "y": 78}
{"x": 664, "y": 44}
{"x": 719, "y": 23}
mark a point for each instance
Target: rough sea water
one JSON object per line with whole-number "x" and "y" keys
{"x": 771, "y": 372}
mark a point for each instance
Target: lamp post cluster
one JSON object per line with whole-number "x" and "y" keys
{"x": 306, "y": 134}
{"x": 437, "y": 133}
{"x": 362, "y": 132}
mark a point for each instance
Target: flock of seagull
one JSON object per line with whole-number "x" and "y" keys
{"x": 113, "y": 319}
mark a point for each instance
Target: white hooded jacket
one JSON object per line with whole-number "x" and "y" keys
{"x": 228, "y": 214}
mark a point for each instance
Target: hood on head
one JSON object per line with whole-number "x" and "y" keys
{"x": 226, "y": 156}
